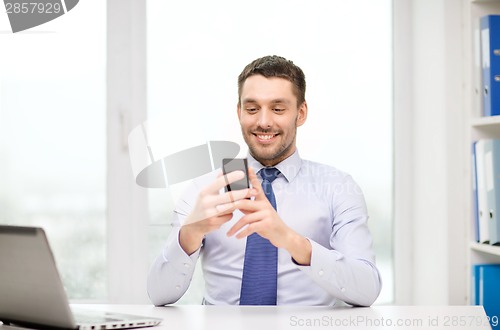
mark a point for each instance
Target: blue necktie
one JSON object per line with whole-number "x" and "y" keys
{"x": 259, "y": 283}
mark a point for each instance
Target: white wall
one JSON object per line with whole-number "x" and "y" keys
{"x": 430, "y": 152}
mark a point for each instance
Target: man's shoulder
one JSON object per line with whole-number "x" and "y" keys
{"x": 329, "y": 178}
{"x": 317, "y": 169}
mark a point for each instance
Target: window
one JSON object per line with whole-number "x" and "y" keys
{"x": 196, "y": 49}
{"x": 53, "y": 114}
{"x": 52, "y": 140}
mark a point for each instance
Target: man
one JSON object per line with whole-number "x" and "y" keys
{"x": 312, "y": 217}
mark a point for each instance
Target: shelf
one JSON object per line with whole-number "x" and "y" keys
{"x": 485, "y": 127}
{"x": 486, "y": 121}
{"x": 485, "y": 248}
{"x": 485, "y": 1}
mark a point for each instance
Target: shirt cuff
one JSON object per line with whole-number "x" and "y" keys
{"x": 174, "y": 254}
{"x": 321, "y": 267}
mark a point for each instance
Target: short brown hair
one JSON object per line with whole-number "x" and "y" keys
{"x": 276, "y": 66}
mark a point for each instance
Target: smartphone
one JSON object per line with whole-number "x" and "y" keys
{"x": 236, "y": 164}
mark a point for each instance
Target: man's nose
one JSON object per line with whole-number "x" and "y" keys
{"x": 265, "y": 119}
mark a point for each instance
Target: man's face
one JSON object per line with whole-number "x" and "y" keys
{"x": 269, "y": 117}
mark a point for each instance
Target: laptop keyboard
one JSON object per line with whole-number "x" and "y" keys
{"x": 99, "y": 320}
{"x": 91, "y": 318}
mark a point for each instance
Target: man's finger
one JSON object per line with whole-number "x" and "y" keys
{"x": 217, "y": 219}
{"x": 225, "y": 179}
{"x": 249, "y": 230}
{"x": 245, "y": 220}
{"x": 254, "y": 180}
{"x": 225, "y": 208}
{"x": 233, "y": 196}
{"x": 248, "y": 205}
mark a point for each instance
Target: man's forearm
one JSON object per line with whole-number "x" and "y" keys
{"x": 189, "y": 241}
{"x": 299, "y": 248}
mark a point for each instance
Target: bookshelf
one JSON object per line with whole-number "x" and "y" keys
{"x": 493, "y": 251}
{"x": 479, "y": 127}
{"x": 486, "y": 123}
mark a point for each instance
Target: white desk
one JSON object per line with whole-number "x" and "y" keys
{"x": 287, "y": 317}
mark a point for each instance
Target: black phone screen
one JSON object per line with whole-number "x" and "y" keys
{"x": 236, "y": 164}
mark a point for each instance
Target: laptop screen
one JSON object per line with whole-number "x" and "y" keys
{"x": 30, "y": 286}
{"x": 33, "y": 294}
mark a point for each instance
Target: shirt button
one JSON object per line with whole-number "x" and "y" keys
{"x": 321, "y": 273}
{"x": 342, "y": 289}
{"x": 178, "y": 287}
{"x": 186, "y": 265}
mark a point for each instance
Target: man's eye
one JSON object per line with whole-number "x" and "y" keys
{"x": 251, "y": 109}
{"x": 278, "y": 110}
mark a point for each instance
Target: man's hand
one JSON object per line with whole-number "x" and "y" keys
{"x": 260, "y": 217}
{"x": 211, "y": 211}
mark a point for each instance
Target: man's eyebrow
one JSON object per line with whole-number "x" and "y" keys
{"x": 248, "y": 100}
{"x": 275, "y": 101}
{"x": 285, "y": 101}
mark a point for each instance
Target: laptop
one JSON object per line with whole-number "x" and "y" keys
{"x": 32, "y": 293}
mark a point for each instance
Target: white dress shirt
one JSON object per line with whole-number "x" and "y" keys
{"x": 319, "y": 202}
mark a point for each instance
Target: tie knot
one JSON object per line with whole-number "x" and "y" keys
{"x": 269, "y": 173}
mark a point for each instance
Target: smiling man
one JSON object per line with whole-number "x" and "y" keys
{"x": 298, "y": 236}
{"x": 270, "y": 112}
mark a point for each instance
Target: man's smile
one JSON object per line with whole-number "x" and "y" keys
{"x": 265, "y": 138}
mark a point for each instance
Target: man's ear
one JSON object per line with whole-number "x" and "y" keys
{"x": 302, "y": 115}
{"x": 238, "y": 110}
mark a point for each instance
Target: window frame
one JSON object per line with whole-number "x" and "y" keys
{"x": 127, "y": 204}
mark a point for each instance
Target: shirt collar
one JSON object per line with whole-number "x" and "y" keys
{"x": 289, "y": 167}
